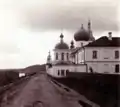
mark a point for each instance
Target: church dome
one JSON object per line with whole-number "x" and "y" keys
{"x": 82, "y": 35}
{"x": 62, "y": 44}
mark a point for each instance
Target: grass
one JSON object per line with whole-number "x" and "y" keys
{"x": 11, "y": 75}
{"x": 7, "y": 77}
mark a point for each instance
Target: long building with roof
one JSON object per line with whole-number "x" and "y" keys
{"x": 86, "y": 55}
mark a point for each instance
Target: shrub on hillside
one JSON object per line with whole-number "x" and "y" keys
{"x": 11, "y": 76}
{"x": 7, "y": 77}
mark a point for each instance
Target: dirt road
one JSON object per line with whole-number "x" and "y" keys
{"x": 41, "y": 89}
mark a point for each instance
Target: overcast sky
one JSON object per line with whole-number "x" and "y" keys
{"x": 30, "y": 28}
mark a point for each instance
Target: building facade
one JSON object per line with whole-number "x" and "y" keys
{"x": 87, "y": 55}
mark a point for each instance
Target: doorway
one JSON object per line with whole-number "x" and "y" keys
{"x": 117, "y": 68}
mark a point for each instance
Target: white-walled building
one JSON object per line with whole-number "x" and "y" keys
{"x": 88, "y": 55}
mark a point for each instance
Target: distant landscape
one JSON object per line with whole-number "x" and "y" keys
{"x": 11, "y": 75}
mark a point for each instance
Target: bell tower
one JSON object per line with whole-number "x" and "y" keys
{"x": 90, "y": 31}
{"x": 49, "y": 61}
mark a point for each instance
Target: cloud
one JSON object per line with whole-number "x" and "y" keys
{"x": 70, "y": 14}
{"x": 21, "y": 45}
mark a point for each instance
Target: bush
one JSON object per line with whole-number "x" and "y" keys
{"x": 7, "y": 77}
{"x": 11, "y": 76}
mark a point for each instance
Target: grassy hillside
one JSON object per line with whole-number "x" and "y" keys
{"x": 11, "y": 75}
{"x": 103, "y": 89}
{"x": 34, "y": 69}
{"x": 8, "y": 76}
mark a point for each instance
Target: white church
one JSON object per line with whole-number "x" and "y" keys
{"x": 87, "y": 55}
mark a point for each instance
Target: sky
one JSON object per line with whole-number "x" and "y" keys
{"x": 30, "y": 28}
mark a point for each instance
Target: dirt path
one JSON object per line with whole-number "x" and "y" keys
{"x": 40, "y": 88}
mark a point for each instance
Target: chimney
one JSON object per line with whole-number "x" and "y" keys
{"x": 110, "y": 35}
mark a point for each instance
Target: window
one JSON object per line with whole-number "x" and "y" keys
{"x": 94, "y": 54}
{"x": 117, "y": 68}
{"x": 62, "y": 56}
{"x": 67, "y": 56}
{"x": 62, "y": 72}
{"x": 116, "y": 54}
{"x": 56, "y": 56}
{"x": 67, "y": 71}
{"x": 58, "y": 72}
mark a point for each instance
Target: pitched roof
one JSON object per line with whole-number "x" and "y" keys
{"x": 75, "y": 50}
{"x": 105, "y": 42}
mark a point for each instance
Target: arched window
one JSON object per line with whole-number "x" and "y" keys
{"x": 62, "y": 72}
{"x": 56, "y": 56}
{"x": 94, "y": 54}
{"x": 58, "y": 72}
{"x": 62, "y": 56}
{"x": 67, "y": 71}
{"x": 67, "y": 56}
{"x": 116, "y": 54}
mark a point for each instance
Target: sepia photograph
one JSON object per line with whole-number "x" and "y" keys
{"x": 59, "y": 53}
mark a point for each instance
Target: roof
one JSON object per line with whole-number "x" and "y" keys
{"x": 101, "y": 42}
{"x": 75, "y": 50}
{"x": 61, "y": 45}
{"x": 105, "y": 42}
{"x": 82, "y": 35}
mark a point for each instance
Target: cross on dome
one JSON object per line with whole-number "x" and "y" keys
{"x": 61, "y": 36}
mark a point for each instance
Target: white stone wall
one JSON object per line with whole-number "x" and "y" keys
{"x": 81, "y": 56}
{"x": 103, "y": 67}
{"x": 76, "y": 58}
{"x": 104, "y": 54}
{"x": 72, "y": 59}
{"x": 72, "y": 68}
{"x": 52, "y": 72}
{"x": 105, "y": 62}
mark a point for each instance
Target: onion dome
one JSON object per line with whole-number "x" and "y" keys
{"x": 82, "y": 35}
{"x": 62, "y": 44}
